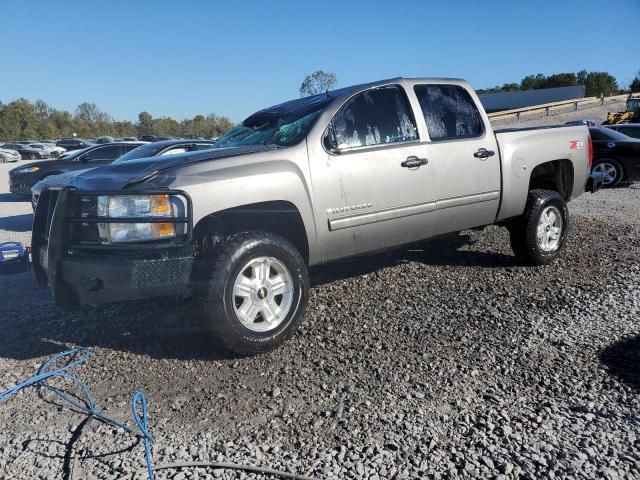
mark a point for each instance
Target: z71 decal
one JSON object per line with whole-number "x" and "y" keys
{"x": 575, "y": 144}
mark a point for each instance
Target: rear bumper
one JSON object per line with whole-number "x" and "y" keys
{"x": 81, "y": 275}
{"x": 595, "y": 182}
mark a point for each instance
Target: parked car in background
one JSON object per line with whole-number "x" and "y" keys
{"x": 586, "y": 123}
{"x": 105, "y": 139}
{"x": 22, "y": 178}
{"x": 73, "y": 143}
{"x": 129, "y": 139}
{"x": 629, "y": 129}
{"x": 27, "y": 152}
{"x": 9, "y": 155}
{"x": 615, "y": 155}
{"x": 51, "y": 149}
{"x": 155, "y": 149}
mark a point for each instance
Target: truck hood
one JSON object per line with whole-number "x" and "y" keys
{"x": 57, "y": 181}
{"x": 118, "y": 175}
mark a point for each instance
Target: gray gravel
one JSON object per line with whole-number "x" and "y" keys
{"x": 445, "y": 361}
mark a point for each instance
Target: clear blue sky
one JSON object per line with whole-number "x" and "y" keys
{"x": 180, "y": 58}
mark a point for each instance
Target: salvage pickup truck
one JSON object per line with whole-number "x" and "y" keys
{"x": 348, "y": 172}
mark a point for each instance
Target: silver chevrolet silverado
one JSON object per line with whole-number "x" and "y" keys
{"x": 349, "y": 172}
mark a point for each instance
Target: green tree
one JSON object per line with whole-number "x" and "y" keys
{"x": 18, "y": 120}
{"x": 561, "y": 80}
{"x": 635, "y": 84}
{"x": 145, "y": 123}
{"x": 600, "y": 83}
{"x": 581, "y": 77}
{"x": 318, "y": 82}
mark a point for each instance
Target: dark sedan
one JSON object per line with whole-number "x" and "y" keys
{"x": 73, "y": 144}
{"x": 21, "y": 179}
{"x": 155, "y": 149}
{"x": 615, "y": 155}
{"x": 26, "y": 152}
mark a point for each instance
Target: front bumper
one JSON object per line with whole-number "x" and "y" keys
{"x": 81, "y": 275}
{"x": 595, "y": 182}
{"x": 21, "y": 184}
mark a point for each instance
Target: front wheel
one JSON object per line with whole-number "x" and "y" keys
{"x": 611, "y": 170}
{"x": 253, "y": 291}
{"x": 538, "y": 236}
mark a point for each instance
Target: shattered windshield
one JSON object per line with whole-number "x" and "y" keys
{"x": 283, "y": 125}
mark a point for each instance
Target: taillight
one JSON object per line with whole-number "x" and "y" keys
{"x": 590, "y": 146}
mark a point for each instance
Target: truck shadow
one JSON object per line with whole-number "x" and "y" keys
{"x": 622, "y": 360}
{"x": 445, "y": 250}
{"x": 17, "y": 223}
{"x": 10, "y": 198}
{"x": 171, "y": 328}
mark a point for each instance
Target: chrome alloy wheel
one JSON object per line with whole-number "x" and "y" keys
{"x": 549, "y": 229}
{"x": 263, "y": 294}
{"x": 609, "y": 170}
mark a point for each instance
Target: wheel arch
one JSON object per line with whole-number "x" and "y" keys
{"x": 557, "y": 175}
{"x": 280, "y": 217}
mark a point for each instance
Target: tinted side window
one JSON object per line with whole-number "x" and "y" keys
{"x": 202, "y": 146}
{"x": 174, "y": 151}
{"x": 630, "y": 132}
{"x": 374, "y": 117}
{"x": 107, "y": 153}
{"x": 449, "y": 112}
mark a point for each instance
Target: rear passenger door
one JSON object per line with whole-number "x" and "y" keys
{"x": 465, "y": 157}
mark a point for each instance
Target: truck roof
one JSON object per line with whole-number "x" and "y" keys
{"x": 312, "y": 100}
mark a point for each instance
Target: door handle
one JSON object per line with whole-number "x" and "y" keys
{"x": 414, "y": 162}
{"x": 483, "y": 153}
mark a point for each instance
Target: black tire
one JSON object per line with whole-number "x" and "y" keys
{"x": 611, "y": 163}
{"x": 218, "y": 271}
{"x": 2, "y": 159}
{"x": 523, "y": 231}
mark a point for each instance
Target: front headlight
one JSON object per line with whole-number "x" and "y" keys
{"x": 153, "y": 207}
{"x": 27, "y": 170}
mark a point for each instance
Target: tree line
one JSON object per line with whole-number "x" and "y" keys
{"x": 24, "y": 120}
{"x": 596, "y": 83}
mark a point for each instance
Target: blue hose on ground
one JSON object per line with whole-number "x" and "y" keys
{"x": 143, "y": 425}
{"x": 74, "y": 357}
{"x": 78, "y": 356}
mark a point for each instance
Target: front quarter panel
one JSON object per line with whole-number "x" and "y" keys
{"x": 221, "y": 184}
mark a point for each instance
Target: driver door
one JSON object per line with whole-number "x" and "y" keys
{"x": 374, "y": 186}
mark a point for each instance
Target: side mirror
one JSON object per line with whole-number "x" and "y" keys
{"x": 330, "y": 141}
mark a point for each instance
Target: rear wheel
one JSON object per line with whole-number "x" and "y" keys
{"x": 254, "y": 291}
{"x": 537, "y": 237}
{"x": 611, "y": 169}
{"x": 3, "y": 159}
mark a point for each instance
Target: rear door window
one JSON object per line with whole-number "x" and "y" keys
{"x": 375, "y": 117}
{"x": 449, "y": 112}
{"x": 110, "y": 152}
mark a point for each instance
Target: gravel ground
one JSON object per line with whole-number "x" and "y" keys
{"x": 445, "y": 361}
